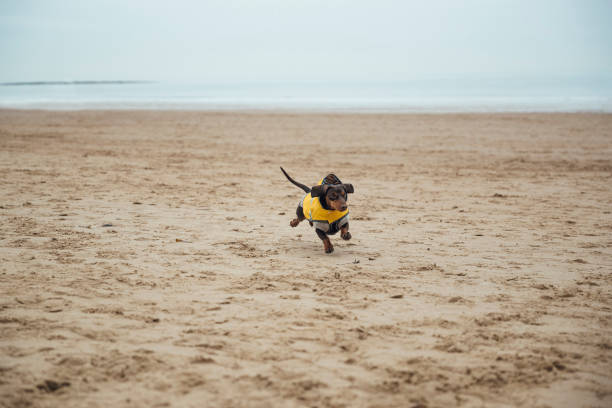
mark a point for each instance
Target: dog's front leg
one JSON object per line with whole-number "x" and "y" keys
{"x": 329, "y": 248}
{"x": 344, "y": 232}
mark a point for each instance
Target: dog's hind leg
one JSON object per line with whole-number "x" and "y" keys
{"x": 299, "y": 212}
{"x": 329, "y": 248}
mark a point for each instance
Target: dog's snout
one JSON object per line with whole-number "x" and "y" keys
{"x": 343, "y": 208}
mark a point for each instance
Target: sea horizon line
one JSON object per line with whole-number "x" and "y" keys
{"x": 87, "y": 82}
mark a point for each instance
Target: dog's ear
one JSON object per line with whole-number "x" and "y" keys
{"x": 348, "y": 188}
{"x": 320, "y": 190}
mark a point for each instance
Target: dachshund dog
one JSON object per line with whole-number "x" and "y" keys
{"x": 325, "y": 208}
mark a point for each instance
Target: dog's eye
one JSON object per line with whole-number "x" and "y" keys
{"x": 333, "y": 197}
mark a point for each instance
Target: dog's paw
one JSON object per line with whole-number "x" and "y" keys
{"x": 346, "y": 236}
{"x": 329, "y": 250}
{"x": 294, "y": 222}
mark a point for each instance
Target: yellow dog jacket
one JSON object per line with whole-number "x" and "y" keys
{"x": 328, "y": 221}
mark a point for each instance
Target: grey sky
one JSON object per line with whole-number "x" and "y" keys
{"x": 302, "y": 40}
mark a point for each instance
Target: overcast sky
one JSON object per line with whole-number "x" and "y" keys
{"x": 250, "y": 40}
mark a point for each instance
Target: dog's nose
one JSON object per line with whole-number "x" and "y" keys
{"x": 343, "y": 208}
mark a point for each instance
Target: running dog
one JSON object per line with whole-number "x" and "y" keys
{"x": 325, "y": 208}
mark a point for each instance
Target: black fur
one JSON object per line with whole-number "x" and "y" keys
{"x": 300, "y": 185}
{"x": 331, "y": 179}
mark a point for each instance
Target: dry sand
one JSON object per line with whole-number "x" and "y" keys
{"x": 147, "y": 260}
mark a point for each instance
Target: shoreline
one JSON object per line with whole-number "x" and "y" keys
{"x": 558, "y": 94}
{"x": 304, "y": 111}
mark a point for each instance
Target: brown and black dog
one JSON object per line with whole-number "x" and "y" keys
{"x": 325, "y": 207}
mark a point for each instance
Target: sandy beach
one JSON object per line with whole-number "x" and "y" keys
{"x": 146, "y": 260}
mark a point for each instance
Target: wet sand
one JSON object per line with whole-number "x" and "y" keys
{"x": 146, "y": 259}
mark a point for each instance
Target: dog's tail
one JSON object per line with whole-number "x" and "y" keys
{"x": 300, "y": 185}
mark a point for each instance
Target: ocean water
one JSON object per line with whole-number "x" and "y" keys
{"x": 424, "y": 95}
